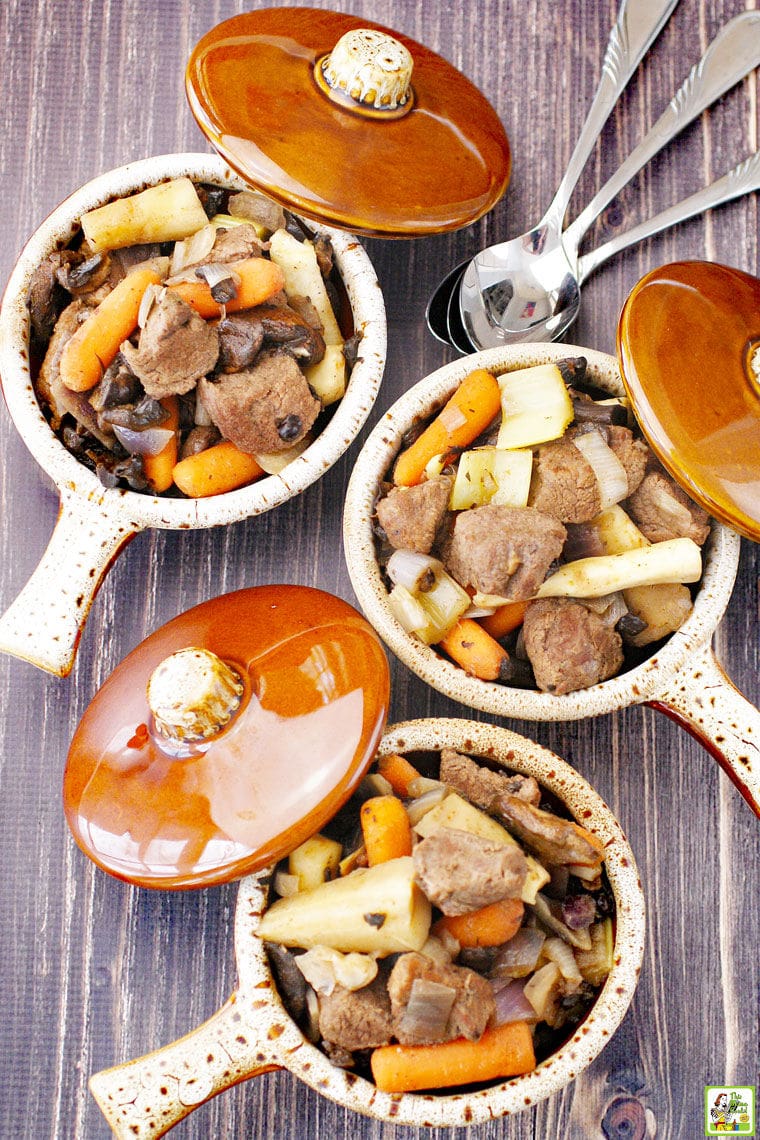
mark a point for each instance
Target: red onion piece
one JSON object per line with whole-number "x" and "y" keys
{"x": 511, "y": 1003}
{"x": 148, "y": 442}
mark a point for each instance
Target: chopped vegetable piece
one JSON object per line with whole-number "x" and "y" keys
{"x": 413, "y": 570}
{"x": 315, "y": 861}
{"x": 96, "y": 342}
{"x": 327, "y": 378}
{"x": 398, "y": 772}
{"x": 491, "y": 475}
{"x": 167, "y": 212}
{"x": 675, "y": 560}
{"x": 223, "y": 467}
{"x": 386, "y": 829}
{"x": 457, "y": 812}
{"x": 302, "y": 278}
{"x": 260, "y": 279}
{"x": 468, "y": 412}
{"x": 544, "y": 991}
{"x": 409, "y": 612}
{"x": 492, "y": 925}
{"x": 476, "y": 651}
{"x": 618, "y": 532}
{"x": 373, "y": 910}
{"x": 519, "y": 956}
{"x": 325, "y": 968}
{"x": 159, "y": 468}
{"x": 504, "y": 619}
{"x": 663, "y": 609}
{"x": 502, "y": 1051}
{"x": 609, "y": 471}
{"x": 596, "y": 962}
{"x": 535, "y": 404}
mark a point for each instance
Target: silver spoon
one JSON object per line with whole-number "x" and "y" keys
{"x": 533, "y": 292}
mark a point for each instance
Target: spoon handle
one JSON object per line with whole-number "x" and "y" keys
{"x": 733, "y": 53}
{"x": 638, "y": 24}
{"x": 743, "y": 179}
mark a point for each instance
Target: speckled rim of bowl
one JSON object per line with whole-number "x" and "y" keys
{"x": 153, "y": 511}
{"x": 636, "y": 685}
{"x": 517, "y": 1093}
{"x": 253, "y": 1032}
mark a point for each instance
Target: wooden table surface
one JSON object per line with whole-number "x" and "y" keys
{"x": 93, "y": 972}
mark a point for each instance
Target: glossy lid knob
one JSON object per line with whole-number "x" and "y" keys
{"x": 688, "y": 341}
{"x": 368, "y": 70}
{"x": 192, "y": 694}
{"x": 329, "y": 127}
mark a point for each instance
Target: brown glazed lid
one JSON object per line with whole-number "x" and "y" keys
{"x": 336, "y": 130}
{"x": 689, "y": 351}
{"x": 227, "y": 737}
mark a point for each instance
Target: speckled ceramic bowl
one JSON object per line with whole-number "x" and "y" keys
{"x": 253, "y": 1033}
{"x": 45, "y": 622}
{"x": 682, "y": 678}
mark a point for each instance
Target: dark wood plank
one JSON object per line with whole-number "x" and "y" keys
{"x": 95, "y": 972}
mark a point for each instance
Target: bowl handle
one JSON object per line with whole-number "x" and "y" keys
{"x": 43, "y": 625}
{"x": 148, "y": 1096}
{"x": 704, "y": 701}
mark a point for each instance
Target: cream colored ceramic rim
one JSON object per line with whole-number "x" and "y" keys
{"x": 510, "y": 1096}
{"x": 144, "y": 510}
{"x": 640, "y": 684}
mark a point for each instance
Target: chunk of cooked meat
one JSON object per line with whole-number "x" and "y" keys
{"x": 357, "y": 1019}
{"x": 46, "y": 296}
{"x": 505, "y": 551}
{"x": 480, "y": 785}
{"x": 176, "y": 347}
{"x": 235, "y": 244}
{"x": 411, "y": 516}
{"x": 472, "y": 1004}
{"x": 461, "y": 872}
{"x": 306, "y": 308}
{"x": 564, "y": 484}
{"x": 554, "y": 840}
{"x": 633, "y": 453}
{"x": 241, "y": 336}
{"x": 569, "y": 646}
{"x": 264, "y": 409}
{"x": 256, "y": 208}
{"x": 661, "y": 510}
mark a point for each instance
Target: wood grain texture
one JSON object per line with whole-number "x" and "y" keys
{"x": 95, "y": 972}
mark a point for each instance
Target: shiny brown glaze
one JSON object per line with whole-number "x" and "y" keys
{"x": 251, "y": 87}
{"x": 686, "y": 339}
{"x": 313, "y": 710}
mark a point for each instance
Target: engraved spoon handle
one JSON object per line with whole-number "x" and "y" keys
{"x": 638, "y": 24}
{"x": 733, "y": 53}
{"x": 743, "y": 179}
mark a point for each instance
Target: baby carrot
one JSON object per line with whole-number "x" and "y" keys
{"x": 476, "y": 651}
{"x": 504, "y": 619}
{"x": 96, "y": 342}
{"x": 158, "y": 468}
{"x": 260, "y": 279}
{"x": 398, "y": 772}
{"x": 220, "y": 468}
{"x": 476, "y": 402}
{"x": 386, "y": 829}
{"x": 502, "y": 1051}
{"x": 490, "y": 926}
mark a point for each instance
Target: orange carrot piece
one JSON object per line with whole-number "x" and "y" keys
{"x": 260, "y": 279}
{"x": 220, "y": 468}
{"x": 398, "y": 772}
{"x": 476, "y": 651}
{"x": 96, "y": 342}
{"x": 490, "y": 926}
{"x": 504, "y": 619}
{"x": 386, "y": 829}
{"x": 476, "y": 402}
{"x": 502, "y": 1051}
{"x": 158, "y": 469}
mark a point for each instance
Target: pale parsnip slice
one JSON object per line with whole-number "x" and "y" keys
{"x": 457, "y": 812}
{"x": 298, "y": 262}
{"x": 167, "y": 212}
{"x": 315, "y": 861}
{"x": 677, "y": 560}
{"x": 617, "y": 531}
{"x": 374, "y": 910}
{"x": 663, "y": 609}
{"x": 492, "y": 475}
{"x": 327, "y": 378}
{"x": 535, "y": 405}
{"x": 276, "y": 461}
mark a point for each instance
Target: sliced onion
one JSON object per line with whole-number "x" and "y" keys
{"x": 427, "y": 1012}
{"x": 193, "y": 249}
{"x": 452, "y": 418}
{"x": 511, "y": 1003}
{"x": 324, "y": 968}
{"x": 425, "y": 803}
{"x": 479, "y": 611}
{"x": 422, "y": 784}
{"x": 609, "y": 471}
{"x": 558, "y": 951}
{"x": 286, "y": 885}
{"x": 150, "y": 297}
{"x": 223, "y": 282}
{"x": 152, "y": 441}
{"x": 412, "y": 570}
{"x": 202, "y": 418}
{"x": 518, "y": 957}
